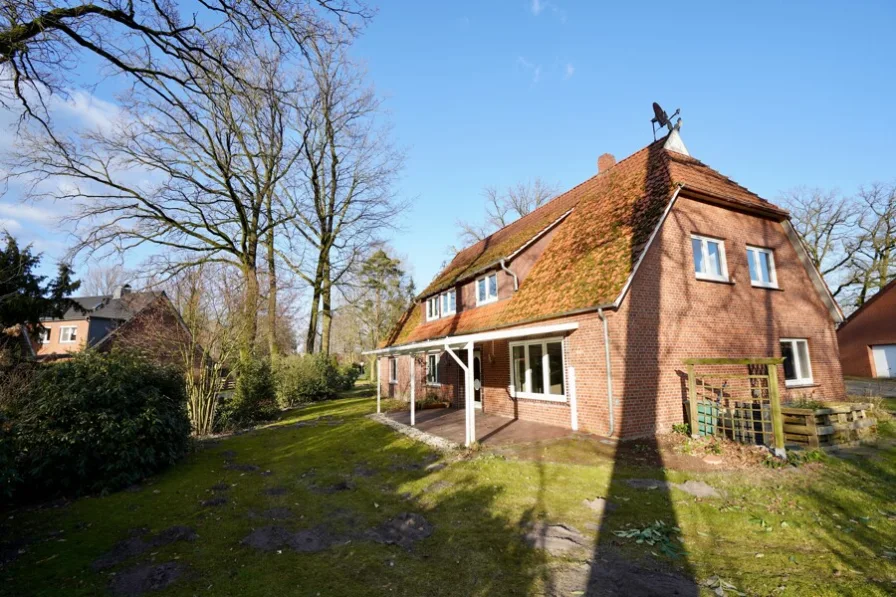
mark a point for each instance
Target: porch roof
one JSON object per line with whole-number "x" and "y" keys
{"x": 464, "y": 339}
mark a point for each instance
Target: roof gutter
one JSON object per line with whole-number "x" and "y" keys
{"x": 610, "y": 405}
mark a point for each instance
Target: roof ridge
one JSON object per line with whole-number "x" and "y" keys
{"x": 548, "y": 203}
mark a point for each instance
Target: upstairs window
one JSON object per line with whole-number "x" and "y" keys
{"x": 44, "y": 336}
{"x": 797, "y": 367}
{"x": 709, "y": 258}
{"x": 449, "y": 302}
{"x": 68, "y": 335}
{"x": 393, "y": 370}
{"x": 432, "y": 369}
{"x": 487, "y": 289}
{"x": 432, "y": 308}
{"x": 537, "y": 370}
{"x": 762, "y": 267}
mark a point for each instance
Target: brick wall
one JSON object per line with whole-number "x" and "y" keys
{"x": 667, "y": 316}
{"x": 55, "y": 346}
{"x": 875, "y": 324}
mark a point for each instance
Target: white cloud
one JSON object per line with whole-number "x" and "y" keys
{"x": 535, "y": 69}
{"x": 537, "y": 7}
{"x": 9, "y": 225}
{"x": 31, "y": 213}
{"x": 569, "y": 71}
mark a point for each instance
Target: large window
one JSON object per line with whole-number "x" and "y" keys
{"x": 709, "y": 258}
{"x": 487, "y": 289}
{"x": 432, "y": 308}
{"x": 797, "y": 366}
{"x": 393, "y": 370}
{"x": 68, "y": 335}
{"x": 432, "y": 369}
{"x": 762, "y": 267}
{"x": 449, "y": 302}
{"x": 537, "y": 370}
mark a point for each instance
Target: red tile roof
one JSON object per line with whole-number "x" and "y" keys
{"x": 594, "y": 249}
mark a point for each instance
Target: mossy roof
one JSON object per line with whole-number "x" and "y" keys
{"x": 593, "y": 251}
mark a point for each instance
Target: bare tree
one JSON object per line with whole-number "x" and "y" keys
{"x": 102, "y": 280}
{"x": 874, "y": 262}
{"x": 43, "y": 42}
{"x": 342, "y": 194}
{"x": 503, "y": 207}
{"x": 188, "y": 172}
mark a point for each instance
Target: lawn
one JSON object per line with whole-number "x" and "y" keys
{"x": 311, "y": 505}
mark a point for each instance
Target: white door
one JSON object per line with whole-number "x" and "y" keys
{"x": 884, "y": 360}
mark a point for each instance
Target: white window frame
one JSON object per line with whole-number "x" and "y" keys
{"x": 44, "y": 336}
{"x": 546, "y": 374}
{"x": 436, "y": 356}
{"x": 432, "y": 308}
{"x": 797, "y": 363}
{"x": 74, "y": 335}
{"x": 393, "y": 370}
{"x": 488, "y": 299}
{"x": 445, "y": 308}
{"x": 704, "y": 248}
{"x": 752, "y": 252}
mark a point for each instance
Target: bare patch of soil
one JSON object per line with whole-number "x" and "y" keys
{"x": 275, "y": 491}
{"x": 145, "y": 578}
{"x": 273, "y": 538}
{"x": 220, "y": 487}
{"x": 138, "y": 543}
{"x": 214, "y": 502}
{"x": 273, "y": 514}
{"x": 404, "y": 530}
{"x": 363, "y": 470}
{"x": 343, "y": 485}
{"x": 612, "y": 575}
{"x": 244, "y": 468}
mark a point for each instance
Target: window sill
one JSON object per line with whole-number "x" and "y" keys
{"x": 433, "y": 385}
{"x": 393, "y": 383}
{"x": 800, "y": 384}
{"x": 727, "y": 281}
{"x": 486, "y": 302}
{"x": 542, "y": 397}
{"x": 764, "y": 287}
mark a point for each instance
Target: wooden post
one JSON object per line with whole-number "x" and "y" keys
{"x": 413, "y": 388}
{"x": 692, "y": 398}
{"x": 777, "y": 417}
{"x": 377, "y": 385}
{"x": 573, "y": 402}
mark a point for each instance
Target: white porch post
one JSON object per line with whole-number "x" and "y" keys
{"x": 413, "y": 387}
{"x": 377, "y": 385}
{"x": 573, "y": 402}
{"x": 471, "y": 416}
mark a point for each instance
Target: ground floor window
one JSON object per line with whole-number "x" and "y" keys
{"x": 68, "y": 334}
{"x": 797, "y": 365}
{"x": 536, "y": 369}
{"x": 393, "y": 370}
{"x": 432, "y": 369}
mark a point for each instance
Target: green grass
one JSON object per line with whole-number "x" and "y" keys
{"x": 821, "y": 529}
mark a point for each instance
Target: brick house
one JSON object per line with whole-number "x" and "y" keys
{"x": 146, "y": 320}
{"x": 581, "y": 312}
{"x": 868, "y": 337}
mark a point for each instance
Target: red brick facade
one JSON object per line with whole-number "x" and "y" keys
{"x": 874, "y": 324}
{"x": 667, "y": 315}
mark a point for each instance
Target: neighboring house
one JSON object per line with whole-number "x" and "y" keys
{"x": 868, "y": 337}
{"x": 144, "y": 320}
{"x": 655, "y": 259}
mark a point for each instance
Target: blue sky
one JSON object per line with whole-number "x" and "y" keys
{"x": 773, "y": 94}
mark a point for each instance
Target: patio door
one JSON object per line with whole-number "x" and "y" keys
{"x": 477, "y": 379}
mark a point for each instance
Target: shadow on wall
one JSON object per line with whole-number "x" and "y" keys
{"x": 611, "y": 573}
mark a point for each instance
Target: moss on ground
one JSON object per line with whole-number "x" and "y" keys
{"x": 822, "y": 529}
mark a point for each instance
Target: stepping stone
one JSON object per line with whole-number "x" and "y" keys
{"x": 697, "y": 489}
{"x": 648, "y": 484}
{"x": 438, "y": 486}
{"x": 556, "y": 539}
{"x": 600, "y": 505}
{"x": 713, "y": 460}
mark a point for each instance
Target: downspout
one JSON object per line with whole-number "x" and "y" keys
{"x": 603, "y": 318}
{"x": 516, "y": 280}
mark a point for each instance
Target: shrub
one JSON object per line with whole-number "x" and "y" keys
{"x": 252, "y": 400}
{"x": 307, "y": 378}
{"x": 98, "y": 422}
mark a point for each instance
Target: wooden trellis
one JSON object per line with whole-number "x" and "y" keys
{"x": 743, "y": 407}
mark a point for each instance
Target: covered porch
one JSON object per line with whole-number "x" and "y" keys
{"x": 492, "y": 430}
{"x": 470, "y": 422}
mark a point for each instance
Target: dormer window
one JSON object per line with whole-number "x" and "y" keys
{"x": 487, "y": 289}
{"x": 449, "y": 302}
{"x": 432, "y": 308}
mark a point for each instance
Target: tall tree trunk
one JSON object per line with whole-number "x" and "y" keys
{"x": 250, "y": 309}
{"x": 272, "y": 297}
{"x": 311, "y": 336}
{"x": 326, "y": 312}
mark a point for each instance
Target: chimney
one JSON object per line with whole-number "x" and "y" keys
{"x": 120, "y": 290}
{"x": 605, "y": 162}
